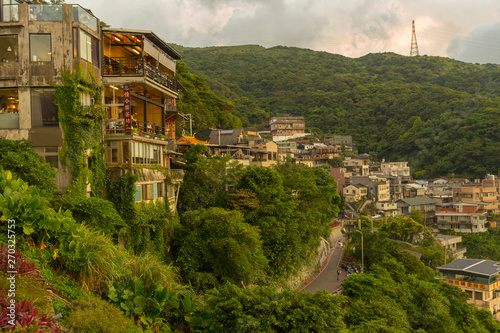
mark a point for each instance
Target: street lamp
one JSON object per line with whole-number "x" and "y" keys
{"x": 362, "y": 252}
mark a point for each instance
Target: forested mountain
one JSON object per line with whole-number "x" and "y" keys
{"x": 440, "y": 114}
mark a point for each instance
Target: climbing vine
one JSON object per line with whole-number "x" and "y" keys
{"x": 122, "y": 195}
{"x": 82, "y": 128}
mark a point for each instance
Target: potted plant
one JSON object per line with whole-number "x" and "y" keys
{"x": 121, "y": 66}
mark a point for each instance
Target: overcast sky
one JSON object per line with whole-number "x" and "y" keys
{"x": 465, "y": 30}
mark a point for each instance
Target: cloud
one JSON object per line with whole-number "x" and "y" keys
{"x": 453, "y": 28}
{"x": 480, "y": 45}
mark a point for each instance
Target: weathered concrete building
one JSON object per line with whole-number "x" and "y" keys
{"x": 37, "y": 43}
{"x": 135, "y": 67}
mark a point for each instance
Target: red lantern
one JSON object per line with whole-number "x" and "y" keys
{"x": 124, "y": 38}
{"x": 135, "y": 39}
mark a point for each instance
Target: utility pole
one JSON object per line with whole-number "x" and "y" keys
{"x": 184, "y": 117}
{"x": 414, "y": 46}
{"x": 362, "y": 252}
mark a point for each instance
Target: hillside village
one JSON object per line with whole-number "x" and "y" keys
{"x": 100, "y": 105}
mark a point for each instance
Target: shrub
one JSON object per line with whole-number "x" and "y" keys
{"x": 151, "y": 230}
{"x": 93, "y": 315}
{"x": 30, "y": 289}
{"x": 60, "y": 307}
{"x": 43, "y": 257}
{"x": 30, "y": 210}
{"x": 23, "y": 162}
{"x": 93, "y": 257}
{"x": 151, "y": 269}
{"x": 26, "y": 316}
{"x": 63, "y": 284}
{"x": 21, "y": 266}
{"x": 157, "y": 307}
{"x": 96, "y": 212}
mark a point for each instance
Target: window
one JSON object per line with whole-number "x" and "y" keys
{"x": 40, "y": 47}
{"x": 149, "y": 191}
{"x": 86, "y": 100}
{"x": 126, "y": 152}
{"x": 8, "y": 48}
{"x": 156, "y": 155}
{"x": 49, "y": 154}
{"x": 75, "y": 43}
{"x": 160, "y": 189}
{"x": 138, "y": 196}
{"x": 44, "y": 112}
{"x": 145, "y": 153}
{"x": 10, "y": 11}
{"x": 89, "y": 48}
{"x": 9, "y": 108}
{"x": 112, "y": 152}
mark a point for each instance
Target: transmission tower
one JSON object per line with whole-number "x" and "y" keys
{"x": 414, "y": 46}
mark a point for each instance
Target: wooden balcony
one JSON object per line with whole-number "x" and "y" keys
{"x": 116, "y": 127}
{"x": 137, "y": 67}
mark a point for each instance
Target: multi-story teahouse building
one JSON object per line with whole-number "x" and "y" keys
{"x": 136, "y": 69}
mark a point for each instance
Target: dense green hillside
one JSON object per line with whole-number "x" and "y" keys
{"x": 440, "y": 114}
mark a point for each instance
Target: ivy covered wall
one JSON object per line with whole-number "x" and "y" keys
{"x": 83, "y": 148}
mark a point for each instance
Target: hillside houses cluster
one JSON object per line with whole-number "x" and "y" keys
{"x": 457, "y": 204}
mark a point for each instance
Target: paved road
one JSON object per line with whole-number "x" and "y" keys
{"x": 327, "y": 279}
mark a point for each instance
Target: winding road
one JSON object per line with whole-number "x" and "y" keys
{"x": 327, "y": 278}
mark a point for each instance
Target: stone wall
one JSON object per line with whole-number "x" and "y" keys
{"x": 311, "y": 268}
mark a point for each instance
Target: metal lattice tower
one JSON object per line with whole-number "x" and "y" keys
{"x": 414, "y": 46}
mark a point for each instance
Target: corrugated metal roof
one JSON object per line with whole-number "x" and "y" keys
{"x": 474, "y": 266}
{"x": 418, "y": 201}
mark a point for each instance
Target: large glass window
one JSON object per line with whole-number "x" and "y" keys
{"x": 44, "y": 112}
{"x": 9, "y": 108}
{"x": 89, "y": 48}
{"x": 8, "y": 48}
{"x": 40, "y": 47}
{"x": 10, "y": 11}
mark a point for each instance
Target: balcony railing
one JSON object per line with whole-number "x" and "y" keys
{"x": 46, "y": 13}
{"x": 83, "y": 16}
{"x": 10, "y": 11}
{"x": 133, "y": 66}
{"x": 116, "y": 126}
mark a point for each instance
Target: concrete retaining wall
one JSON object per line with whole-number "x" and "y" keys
{"x": 321, "y": 257}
